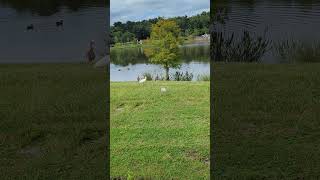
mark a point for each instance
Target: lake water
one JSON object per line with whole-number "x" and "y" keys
{"x": 83, "y": 21}
{"x": 284, "y": 19}
{"x": 128, "y": 64}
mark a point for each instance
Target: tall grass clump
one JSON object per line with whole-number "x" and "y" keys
{"x": 180, "y": 76}
{"x": 177, "y": 76}
{"x": 292, "y": 51}
{"x": 148, "y": 76}
{"x": 203, "y": 77}
{"x": 247, "y": 48}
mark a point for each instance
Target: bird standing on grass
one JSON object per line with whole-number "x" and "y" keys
{"x": 143, "y": 80}
{"x": 91, "y": 54}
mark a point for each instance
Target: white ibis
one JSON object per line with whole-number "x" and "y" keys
{"x": 143, "y": 80}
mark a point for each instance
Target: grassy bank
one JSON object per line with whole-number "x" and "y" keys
{"x": 187, "y": 40}
{"x": 157, "y": 134}
{"x": 52, "y": 122}
{"x": 126, "y": 45}
{"x": 267, "y": 121}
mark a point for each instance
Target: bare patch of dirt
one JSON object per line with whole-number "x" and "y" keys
{"x": 194, "y": 155}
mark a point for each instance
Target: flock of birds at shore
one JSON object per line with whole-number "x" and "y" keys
{"x": 90, "y": 54}
{"x": 31, "y": 27}
{"x": 144, "y": 79}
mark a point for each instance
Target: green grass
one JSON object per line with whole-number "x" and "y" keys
{"x": 186, "y": 41}
{"x": 267, "y": 121}
{"x": 126, "y": 45}
{"x": 160, "y": 135}
{"x": 203, "y": 77}
{"x": 192, "y": 40}
{"x": 52, "y": 121}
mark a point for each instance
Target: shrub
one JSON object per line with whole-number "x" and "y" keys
{"x": 148, "y": 75}
{"x": 296, "y": 51}
{"x": 180, "y": 76}
{"x": 245, "y": 49}
{"x": 204, "y": 77}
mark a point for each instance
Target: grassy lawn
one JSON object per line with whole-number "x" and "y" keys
{"x": 267, "y": 124}
{"x": 267, "y": 121}
{"x": 160, "y": 135}
{"x": 52, "y": 121}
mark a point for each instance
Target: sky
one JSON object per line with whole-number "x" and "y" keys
{"x": 136, "y": 10}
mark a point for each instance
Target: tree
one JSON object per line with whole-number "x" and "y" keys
{"x": 164, "y": 45}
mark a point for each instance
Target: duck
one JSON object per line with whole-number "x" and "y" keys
{"x": 59, "y": 23}
{"x": 30, "y": 27}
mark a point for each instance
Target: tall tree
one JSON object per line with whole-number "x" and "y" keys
{"x": 164, "y": 45}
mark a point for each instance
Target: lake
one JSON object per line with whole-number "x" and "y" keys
{"x": 83, "y": 21}
{"x": 127, "y": 64}
{"x": 283, "y": 19}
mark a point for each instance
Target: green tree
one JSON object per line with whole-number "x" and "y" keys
{"x": 164, "y": 45}
{"x": 128, "y": 37}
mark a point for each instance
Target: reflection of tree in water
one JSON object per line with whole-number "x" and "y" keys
{"x": 128, "y": 56}
{"x": 49, "y": 7}
{"x": 133, "y": 56}
{"x": 226, "y": 47}
{"x": 198, "y": 53}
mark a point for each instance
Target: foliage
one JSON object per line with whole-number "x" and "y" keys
{"x": 296, "y": 51}
{"x": 285, "y": 50}
{"x": 164, "y": 45}
{"x": 148, "y": 76}
{"x": 194, "y": 26}
{"x": 245, "y": 49}
{"x": 120, "y": 37}
{"x": 180, "y": 76}
{"x": 128, "y": 56}
{"x": 204, "y": 77}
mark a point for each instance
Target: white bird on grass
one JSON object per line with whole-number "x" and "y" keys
{"x": 143, "y": 80}
{"x": 163, "y": 89}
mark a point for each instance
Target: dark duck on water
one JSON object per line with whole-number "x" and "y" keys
{"x": 59, "y": 23}
{"x": 30, "y": 27}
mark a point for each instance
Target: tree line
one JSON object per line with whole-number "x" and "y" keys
{"x": 132, "y": 31}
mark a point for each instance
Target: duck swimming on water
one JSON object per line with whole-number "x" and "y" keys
{"x": 30, "y": 27}
{"x": 59, "y": 23}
